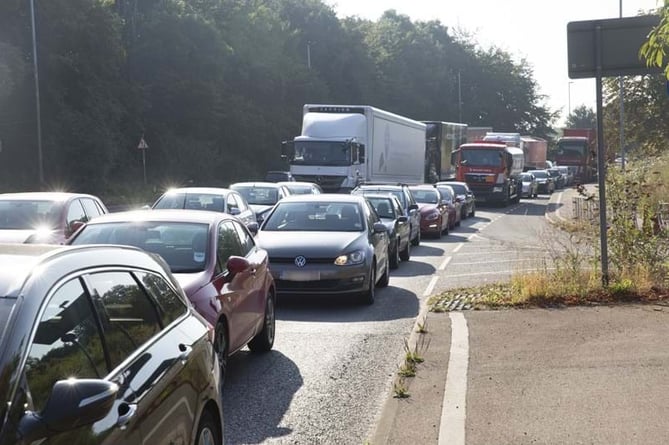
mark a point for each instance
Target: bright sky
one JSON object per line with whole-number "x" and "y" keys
{"x": 532, "y": 29}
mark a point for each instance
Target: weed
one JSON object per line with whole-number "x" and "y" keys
{"x": 422, "y": 326}
{"x": 412, "y": 355}
{"x": 400, "y": 389}
{"x": 408, "y": 369}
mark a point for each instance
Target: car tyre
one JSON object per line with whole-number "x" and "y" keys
{"x": 416, "y": 240}
{"x": 406, "y": 253}
{"x": 264, "y": 340}
{"x": 369, "y": 295}
{"x": 473, "y": 213}
{"x": 208, "y": 433}
{"x": 385, "y": 278}
{"x": 394, "y": 255}
{"x": 222, "y": 347}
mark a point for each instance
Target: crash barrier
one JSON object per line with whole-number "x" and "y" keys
{"x": 585, "y": 208}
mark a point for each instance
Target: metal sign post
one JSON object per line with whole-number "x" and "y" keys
{"x": 143, "y": 146}
{"x": 600, "y": 48}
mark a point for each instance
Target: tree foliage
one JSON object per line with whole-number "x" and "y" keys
{"x": 654, "y": 50}
{"x": 215, "y": 85}
{"x": 582, "y": 117}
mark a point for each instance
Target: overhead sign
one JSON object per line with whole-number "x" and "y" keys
{"x": 620, "y": 40}
{"x": 142, "y": 144}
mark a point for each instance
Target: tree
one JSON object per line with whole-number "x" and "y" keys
{"x": 655, "y": 48}
{"x": 582, "y": 117}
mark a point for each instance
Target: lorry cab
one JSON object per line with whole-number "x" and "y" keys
{"x": 491, "y": 170}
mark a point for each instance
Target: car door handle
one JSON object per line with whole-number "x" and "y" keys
{"x": 129, "y": 410}
{"x": 185, "y": 352}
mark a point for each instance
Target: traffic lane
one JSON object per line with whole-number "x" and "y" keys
{"x": 581, "y": 375}
{"x": 331, "y": 369}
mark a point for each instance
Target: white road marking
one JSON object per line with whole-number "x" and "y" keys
{"x": 458, "y": 247}
{"x": 475, "y": 235}
{"x": 430, "y": 287}
{"x": 519, "y": 260}
{"x": 445, "y": 262}
{"x": 499, "y": 272}
{"x": 453, "y": 412}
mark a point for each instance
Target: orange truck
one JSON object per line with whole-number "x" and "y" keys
{"x": 491, "y": 170}
{"x": 577, "y": 149}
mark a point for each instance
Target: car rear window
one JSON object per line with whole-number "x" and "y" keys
{"x": 23, "y": 214}
{"x": 191, "y": 201}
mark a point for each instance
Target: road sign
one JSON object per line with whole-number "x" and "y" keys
{"x": 619, "y": 48}
{"x": 142, "y": 144}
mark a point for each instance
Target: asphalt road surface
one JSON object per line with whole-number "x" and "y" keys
{"x": 333, "y": 362}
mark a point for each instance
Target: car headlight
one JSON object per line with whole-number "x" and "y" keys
{"x": 432, "y": 216}
{"x": 356, "y": 257}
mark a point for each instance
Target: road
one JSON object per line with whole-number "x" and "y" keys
{"x": 333, "y": 362}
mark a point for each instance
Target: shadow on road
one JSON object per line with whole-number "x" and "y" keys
{"x": 424, "y": 250}
{"x": 392, "y": 303}
{"x": 255, "y": 400}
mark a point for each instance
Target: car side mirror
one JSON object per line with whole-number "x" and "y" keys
{"x": 253, "y": 227}
{"x": 402, "y": 219}
{"x": 73, "y": 403}
{"x": 234, "y": 211}
{"x": 413, "y": 207}
{"x": 379, "y": 227}
{"x": 237, "y": 264}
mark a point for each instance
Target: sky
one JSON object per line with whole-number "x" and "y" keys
{"x": 532, "y": 29}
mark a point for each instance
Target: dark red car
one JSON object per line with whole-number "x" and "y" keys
{"x": 453, "y": 204}
{"x": 45, "y": 217}
{"x": 214, "y": 258}
{"x": 433, "y": 210}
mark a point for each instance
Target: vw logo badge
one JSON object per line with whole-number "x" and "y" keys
{"x": 300, "y": 261}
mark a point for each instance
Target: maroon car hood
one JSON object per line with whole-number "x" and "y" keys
{"x": 426, "y": 208}
{"x": 191, "y": 282}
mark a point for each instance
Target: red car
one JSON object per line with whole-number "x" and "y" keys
{"x": 214, "y": 258}
{"x": 45, "y": 217}
{"x": 433, "y": 210}
{"x": 452, "y": 202}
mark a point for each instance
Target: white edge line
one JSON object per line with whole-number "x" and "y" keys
{"x": 430, "y": 287}
{"x": 458, "y": 247}
{"x": 453, "y": 410}
{"x": 447, "y": 260}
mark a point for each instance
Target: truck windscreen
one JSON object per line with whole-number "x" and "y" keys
{"x": 571, "y": 149}
{"x": 480, "y": 158}
{"x": 321, "y": 153}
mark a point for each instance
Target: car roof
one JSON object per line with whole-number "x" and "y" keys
{"x": 324, "y": 197}
{"x": 266, "y": 184}
{"x": 45, "y": 196}
{"x": 298, "y": 183}
{"x": 382, "y": 195}
{"x": 19, "y": 261}
{"x": 201, "y": 190}
{"x": 422, "y": 187}
{"x": 451, "y": 183}
{"x": 173, "y": 215}
{"x": 381, "y": 186}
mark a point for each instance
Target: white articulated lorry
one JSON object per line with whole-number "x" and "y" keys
{"x": 342, "y": 146}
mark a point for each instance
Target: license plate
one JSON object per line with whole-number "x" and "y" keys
{"x": 300, "y": 275}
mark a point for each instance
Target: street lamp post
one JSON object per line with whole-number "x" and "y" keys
{"x": 40, "y": 167}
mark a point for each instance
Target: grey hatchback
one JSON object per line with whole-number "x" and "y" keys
{"x": 98, "y": 345}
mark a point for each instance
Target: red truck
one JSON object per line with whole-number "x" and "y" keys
{"x": 491, "y": 170}
{"x": 577, "y": 149}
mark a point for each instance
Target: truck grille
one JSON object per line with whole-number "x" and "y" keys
{"x": 327, "y": 183}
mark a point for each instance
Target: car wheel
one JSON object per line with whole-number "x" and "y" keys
{"x": 438, "y": 233}
{"x": 385, "y": 278}
{"x": 264, "y": 340}
{"x": 208, "y": 432}
{"x": 473, "y": 214}
{"x": 416, "y": 240}
{"x": 221, "y": 346}
{"x": 394, "y": 256}
{"x": 368, "y": 295}
{"x": 458, "y": 221}
{"x": 406, "y": 253}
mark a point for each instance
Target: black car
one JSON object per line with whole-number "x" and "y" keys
{"x": 98, "y": 345}
{"x": 465, "y": 195}
{"x": 329, "y": 244}
{"x": 389, "y": 209}
{"x": 406, "y": 198}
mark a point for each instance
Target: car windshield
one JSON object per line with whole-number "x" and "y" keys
{"x": 425, "y": 196}
{"x": 383, "y": 207}
{"x": 183, "y": 245}
{"x": 459, "y": 189}
{"x": 322, "y": 216}
{"x": 540, "y": 174}
{"x": 191, "y": 201}
{"x": 446, "y": 193}
{"x": 23, "y": 214}
{"x": 258, "y": 195}
{"x": 397, "y": 193}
